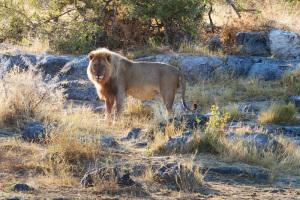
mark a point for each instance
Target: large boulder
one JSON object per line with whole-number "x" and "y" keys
{"x": 284, "y": 45}
{"x": 7, "y": 62}
{"x": 199, "y": 67}
{"x": 271, "y": 69}
{"x": 194, "y": 67}
{"x": 253, "y": 43}
{"x": 236, "y": 66}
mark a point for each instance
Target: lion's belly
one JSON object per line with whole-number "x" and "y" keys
{"x": 143, "y": 93}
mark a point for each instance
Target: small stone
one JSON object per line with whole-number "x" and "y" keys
{"x": 278, "y": 191}
{"x": 133, "y": 134}
{"x": 22, "y": 187}
{"x": 34, "y": 131}
{"x": 108, "y": 142}
{"x": 125, "y": 180}
{"x": 141, "y": 144}
{"x": 87, "y": 180}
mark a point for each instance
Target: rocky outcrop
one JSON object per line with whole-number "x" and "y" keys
{"x": 253, "y": 43}
{"x": 198, "y": 68}
{"x": 284, "y": 45}
{"x": 70, "y": 71}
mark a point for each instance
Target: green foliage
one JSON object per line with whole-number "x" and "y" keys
{"x": 76, "y": 38}
{"x": 79, "y": 26}
{"x": 215, "y": 131}
{"x": 172, "y": 17}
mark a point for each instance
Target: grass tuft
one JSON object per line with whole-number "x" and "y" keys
{"x": 278, "y": 113}
{"x": 25, "y": 96}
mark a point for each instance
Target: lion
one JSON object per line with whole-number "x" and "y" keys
{"x": 115, "y": 77}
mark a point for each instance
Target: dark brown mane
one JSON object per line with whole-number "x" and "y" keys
{"x": 109, "y": 89}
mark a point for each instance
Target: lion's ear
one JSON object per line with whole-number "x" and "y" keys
{"x": 91, "y": 56}
{"x": 108, "y": 57}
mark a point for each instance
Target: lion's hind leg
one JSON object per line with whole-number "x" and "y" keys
{"x": 168, "y": 97}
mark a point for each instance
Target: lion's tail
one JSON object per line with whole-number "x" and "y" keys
{"x": 183, "y": 88}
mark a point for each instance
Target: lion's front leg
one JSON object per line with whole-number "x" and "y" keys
{"x": 109, "y": 107}
{"x": 120, "y": 100}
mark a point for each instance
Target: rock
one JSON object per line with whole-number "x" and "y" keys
{"x": 183, "y": 143}
{"x": 134, "y": 133}
{"x": 278, "y": 191}
{"x": 215, "y": 44}
{"x": 269, "y": 69}
{"x": 112, "y": 174}
{"x": 259, "y": 140}
{"x": 140, "y": 144}
{"x": 236, "y": 66}
{"x": 125, "y": 180}
{"x": 13, "y": 198}
{"x": 75, "y": 68}
{"x": 254, "y": 172}
{"x": 199, "y": 68}
{"x": 34, "y": 131}
{"x": 194, "y": 120}
{"x": 191, "y": 120}
{"x": 7, "y": 62}
{"x": 196, "y": 68}
{"x": 284, "y": 45}
{"x": 159, "y": 58}
{"x": 253, "y": 43}
{"x": 79, "y": 90}
{"x": 178, "y": 176}
{"x": 108, "y": 142}
{"x": 51, "y": 64}
{"x": 22, "y": 187}
{"x": 87, "y": 180}
{"x": 295, "y": 100}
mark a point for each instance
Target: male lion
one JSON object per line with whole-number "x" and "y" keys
{"x": 115, "y": 77}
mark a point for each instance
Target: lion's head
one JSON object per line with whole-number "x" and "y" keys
{"x": 100, "y": 65}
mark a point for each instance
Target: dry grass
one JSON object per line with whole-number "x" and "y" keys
{"x": 278, "y": 113}
{"x": 198, "y": 49}
{"x": 235, "y": 113}
{"x": 17, "y": 157}
{"x": 283, "y": 159}
{"x": 25, "y": 96}
{"x": 291, "y": 81}
{"x": 223, "y": 92}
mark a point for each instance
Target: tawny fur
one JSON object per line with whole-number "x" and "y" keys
{"x": 123, "y": 77}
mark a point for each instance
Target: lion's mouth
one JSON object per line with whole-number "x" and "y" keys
{"x": 99, "y": 78}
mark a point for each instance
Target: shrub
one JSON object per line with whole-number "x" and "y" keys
{"x": 214, "y": 131}
{"x": 176, "y": 19}
{"x": 278, "y": 113}
{"x": 24, "y": 96}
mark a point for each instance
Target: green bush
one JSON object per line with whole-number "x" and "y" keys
{"x": 75, "y": 37}
{"x": 79, "y": 26}
{"x": 176, "y": 19}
